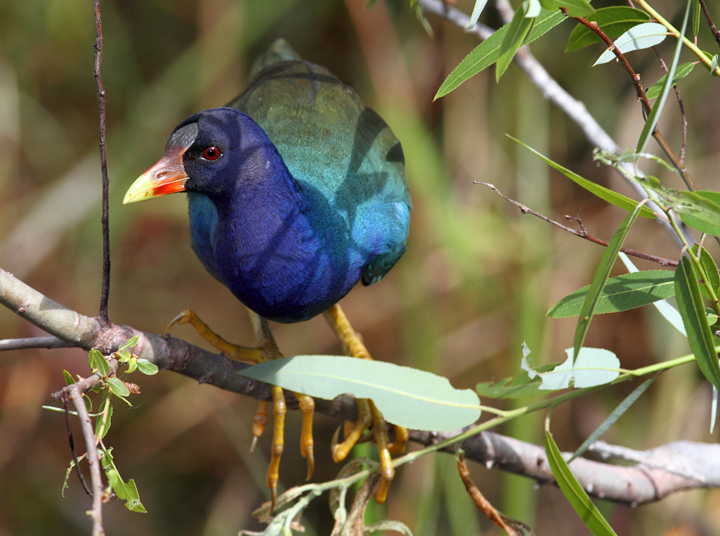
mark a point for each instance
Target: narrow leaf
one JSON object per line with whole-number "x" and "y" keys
{"x": 487, "y": 52}
{"x": 514, "y": 39}
{"x": 642, "y": 36}
{"x": 574, "y": 492}
{"x": 125, "y": 491}
{"x": 405, "y": 396}
{"x": 613, "y": 417}
{"x": 709, "y": 267}
{"x": 654, "y": 116}
{"x": 603, "y": 193}
{"x": 600, "y": 278}
{"x": 594, "y": 366}
{"x": 477, "y": 10}
{"x": 518, "y": 386}
{"x": 681, "y": 72}
{"x": 613, "y": 21}
{"x": 700, "y": 210}
{"x": 691, "y": 308}
{"x": 621, "y": 293}
{"x": 696, "y": 17}
{"x": 668, "y": 312}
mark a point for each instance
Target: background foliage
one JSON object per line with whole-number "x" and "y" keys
{"x": 476, "y": 281}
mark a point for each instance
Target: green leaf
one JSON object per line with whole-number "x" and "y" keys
{"x": 477, "y": 10}
{"x": 654, "y": 116}
{"x": 68, "y": 378}
{"x": 117, "y": 387}
{"x": 129, "y": 344}
{"x": 97, "y": 362}
{"x": 690, "y": 304}
{"x": 613, "y": 21}
{"x": 131, "y": 365}
{"x": 517, "y": 386}
{"x": 574, "y": 492}
{"x": 125, "y": 491}
{"x": 681, "y": 72}
{"x": 487, "y": 52}
{"x": 700, "y": 210}
{"x": 709, "y": 267}
{"x": 102, "y": 423}
{"x": 642, "y": 36}
{"x": 668, "y": 312}
{"x": 594, "y": 366}
{"x": 146, "y": 367}
{"x": 514, "y": 38}
{"x": 600, "y": 278}
{"x": 613, "y": 417}
{"x": 696, "y": 17}
{"x": 405, "y": 396}
{"x": 603, "y": 193}
{"x": 621, "y": 293}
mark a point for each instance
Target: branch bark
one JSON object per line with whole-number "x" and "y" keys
{"x": 661, "y": 471}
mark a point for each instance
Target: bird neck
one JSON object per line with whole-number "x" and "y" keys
{"x": 266, "y": 202}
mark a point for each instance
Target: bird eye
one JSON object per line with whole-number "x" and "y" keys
{"x": 211, "y": 153}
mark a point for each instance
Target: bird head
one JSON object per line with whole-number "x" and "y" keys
{"x": 204, "y": 155}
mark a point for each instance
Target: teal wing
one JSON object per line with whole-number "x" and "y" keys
{"x": 334, "y": 144}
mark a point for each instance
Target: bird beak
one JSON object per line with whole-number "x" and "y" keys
{"x": 168, "y": 175}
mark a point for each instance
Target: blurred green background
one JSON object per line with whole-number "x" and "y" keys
{"x": 475, "y": 282}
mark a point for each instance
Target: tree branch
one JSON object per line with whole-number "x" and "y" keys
{"x": 662, "y": 471}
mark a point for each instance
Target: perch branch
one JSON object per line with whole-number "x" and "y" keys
{"x": 656, "y": 477}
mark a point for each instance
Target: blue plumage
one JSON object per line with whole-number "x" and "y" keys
{"x": 306, "y": 195}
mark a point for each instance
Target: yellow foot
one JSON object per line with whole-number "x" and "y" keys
{"x": 367, "y": 412}
{"x": 266, "y": 350}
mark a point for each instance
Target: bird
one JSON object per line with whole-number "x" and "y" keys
{"x": 296, "y": 192}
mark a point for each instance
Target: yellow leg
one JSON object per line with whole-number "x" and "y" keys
{"x": 387, "y": 472}
{"x": 273, "y": 474}
{"x": 367, "y": 413}
{"x": 307, "y": 407}
{"x": 266, "y": 349}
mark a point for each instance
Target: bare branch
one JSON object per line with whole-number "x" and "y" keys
{"x": 105, "y": 293}
{"x": 582, "y": 233}
{"x": 713, "y": 29}
{"x": 32, "y": 342}
{"x": 664, "y": 470}
{"x": 649, "y": 481}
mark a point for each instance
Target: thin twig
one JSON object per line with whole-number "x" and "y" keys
{"x": 582, "y": 233}
{"x": 75, "y": 395}
{"x": 71, "y": 442}
{"x": 683, "y": 147}
{"x": 575, "y": 109}
{"x": 105, "y": 293}
{"x": 642, "y": 97}
{"x": 713, "y": 29}
{"x": 32, "y": 342}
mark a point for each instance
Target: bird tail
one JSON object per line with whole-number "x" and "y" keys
{"x": 280, "y": 50}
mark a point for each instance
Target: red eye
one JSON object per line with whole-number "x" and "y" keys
{"x": 211, "y": 153}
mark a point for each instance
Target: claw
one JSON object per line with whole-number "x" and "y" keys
{"x": 340, "y": 451}
{"x": 182, "y": 318}
{"x": 307, "y": 407}
{"x": 259, "y": 422}
{"x": 273, "y": 474}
